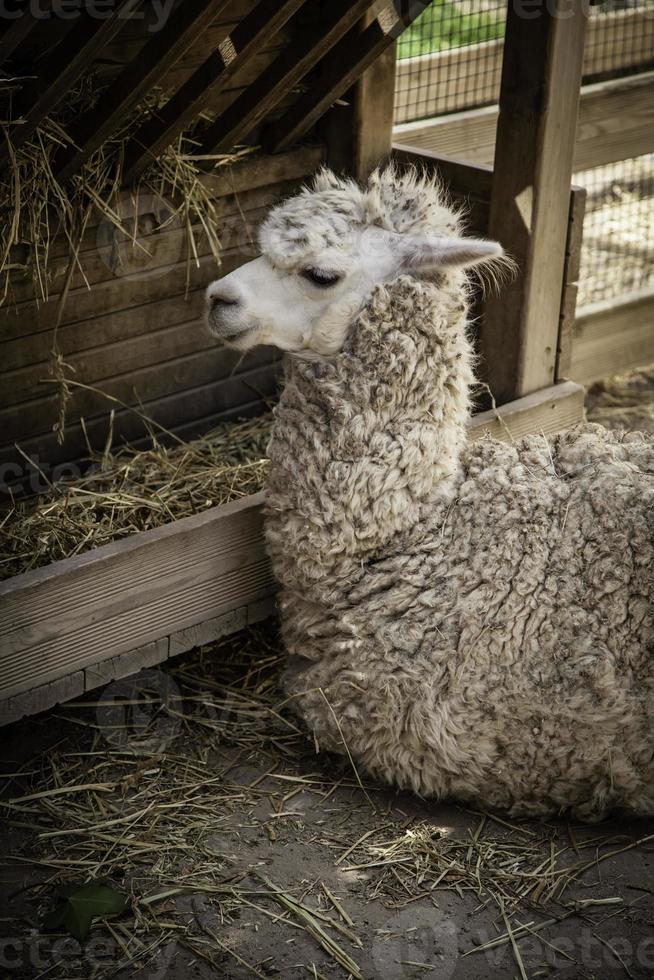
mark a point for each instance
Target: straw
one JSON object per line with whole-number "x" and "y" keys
{"x": 148, "y": 808}
{"x": 126, "y": 490}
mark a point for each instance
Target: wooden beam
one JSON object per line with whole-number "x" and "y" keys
{"x": 240, "y": 118}
{"x": 346, "y": 63}
{"x": 615, "y": 122}
{"x": 358, "y": 129}
{"x": 249, "y": 36}
{"x": 373, "y": 104}
{"x": 188, "y": 22}
{"x": 73, "y": 56}
{"x": 613, "y": 336}
{"x": 17, "y": 31}
{"x": 541, "y": 77}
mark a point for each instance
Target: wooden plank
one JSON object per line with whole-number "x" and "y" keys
{"x": 548, "y": 411}
{"x": 238, "y": 121}
{"x": 40, "y": 698}
{"x": 339, "y": 70}
{"x": 205, "y": 83}
{"x": 74, "y": 55}
{"x": 18, "y": 29}
{"x": 120, "y": 259}
{"x": 449, "y": 80}
{"x": 464, "y": 176}
{"x": 613, "y": 336}
{"x": 531, "y": 194}
{"x": 616, "y": 122}
{"x": 201, "y": 384}
{"x": 186, "y": 24}
{"x": 74, "y": 614}
{"x": 570, "y": 281}
{"x": 56, "y": 692}
{"x": 114, "y": 668}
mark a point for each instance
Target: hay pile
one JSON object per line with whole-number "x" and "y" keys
{"x": 38, "y": 207}
{"x": 625, "y": 401}
{"x": 189, "y": 788}
{"x": 126, "y": 490}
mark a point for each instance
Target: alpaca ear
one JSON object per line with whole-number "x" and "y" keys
{"x": 430, "y": 254}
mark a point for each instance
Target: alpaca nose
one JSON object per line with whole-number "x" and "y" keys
{"x": 225, "y": 295}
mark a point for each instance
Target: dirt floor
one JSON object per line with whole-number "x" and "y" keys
{"x": 242, "y": 852}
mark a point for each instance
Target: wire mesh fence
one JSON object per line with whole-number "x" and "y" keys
{"x": 617, "y": 254}
{"x": 450, "y": 61}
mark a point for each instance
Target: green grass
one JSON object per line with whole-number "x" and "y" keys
{"x": 444, "y": 25}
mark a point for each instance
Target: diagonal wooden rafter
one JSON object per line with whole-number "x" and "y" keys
{"x": 344, "y": 65}
{"x": 185, "y": 26}
{"x": 247, "y": 39}
{"x": 17, "y": 31}
{"x": 281, "y": 76}
{"x": 70, "y": 59}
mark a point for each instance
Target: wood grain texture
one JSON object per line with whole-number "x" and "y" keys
{"x": 199, "y": 91}
{"x": 613, "y": 336}
{"x": 73, "y": 614}
{"x": 548, "y": 411}
{"x": 238, "y": 121}
{"x": 616, "y": 122}
{"x": 530, "y": 199}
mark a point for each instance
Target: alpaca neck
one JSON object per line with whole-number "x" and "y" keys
{"x": 366, "y": 443}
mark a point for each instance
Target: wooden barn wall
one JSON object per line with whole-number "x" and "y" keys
{"x": 137, "y": 332}
{"x": 134, "y": 328}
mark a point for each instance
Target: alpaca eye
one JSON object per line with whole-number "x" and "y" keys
{"x": 320, "y": 278}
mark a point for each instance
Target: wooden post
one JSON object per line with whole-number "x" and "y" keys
{"x": 541, "y": 78}
{"x": 358, "y": 130}
{"x": 374, "y": 102}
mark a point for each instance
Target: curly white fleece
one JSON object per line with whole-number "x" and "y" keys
{"x": 473, "y": 621}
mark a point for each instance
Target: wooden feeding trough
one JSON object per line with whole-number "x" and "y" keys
{"x": 307, "y": 91}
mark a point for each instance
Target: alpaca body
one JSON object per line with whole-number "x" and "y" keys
{"x": 474, "y": 625}
{"x": 473, "y": 621}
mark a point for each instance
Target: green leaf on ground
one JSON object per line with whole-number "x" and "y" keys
{"x": 79, "y": 904}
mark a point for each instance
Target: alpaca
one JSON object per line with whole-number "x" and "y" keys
{"x": 466, "y": 621}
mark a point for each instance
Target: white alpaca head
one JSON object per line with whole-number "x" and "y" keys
{"x": 325, "y": 250}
